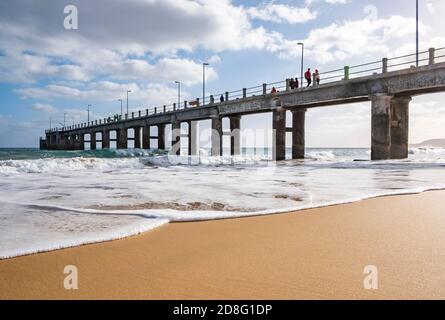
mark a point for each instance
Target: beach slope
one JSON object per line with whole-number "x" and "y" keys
{"x": 312, "y": 254}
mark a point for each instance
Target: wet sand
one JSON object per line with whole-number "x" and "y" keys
{"x": 311, "y": 254}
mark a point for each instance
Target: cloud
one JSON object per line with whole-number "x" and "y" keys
{"x": 145, "y": 95}
{"x": 281, "y": 13}
{"x": 346, "y": 40}
{"x": 47, "y": 108}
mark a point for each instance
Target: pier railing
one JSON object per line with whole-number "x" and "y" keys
{"x": 385, "y": 65}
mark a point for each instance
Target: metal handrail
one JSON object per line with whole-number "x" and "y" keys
{"x": 247, "y": 92}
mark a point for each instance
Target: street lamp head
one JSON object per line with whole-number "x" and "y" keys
{"x": 205, "y": 64}
{"x": 177, "y": 82}
{"x": 128, "y": 91}
{"x": 300, "y": 43}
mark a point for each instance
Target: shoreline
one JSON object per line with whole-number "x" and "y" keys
{"x": 311, "y": 254}
{"x": 240, "y": 216}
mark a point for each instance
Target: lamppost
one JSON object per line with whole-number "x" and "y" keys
{"x": 121, "y": 106}
{"x": 204, "y": 82}
{"x": 88, "y": 109}
{"x": 128, "y": 91}
{"x": 417, "y": 33}
{"x": 302, "y": 61}
{"x": 179, "y": 92}
{"x": 64, "y": 118}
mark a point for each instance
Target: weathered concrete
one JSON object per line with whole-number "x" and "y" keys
{"x": 399, "y": 127}
{"x": 161, "y": 136}
{"x": 122, "y": 138}
{"x": 217, "y": 134}
{"x": 105, "y": 139}
{"x": 176, "y": 138}
{"x": 146, "y": 137}
{"x": 93, "y": 145}
{"x": 401, "y": 83}
{"x": 193, "y": 138}
{"x": 298, "y": 133}
{"x": 137, "y": 137}
{"x": 235, "y": 135}
{"x": 381, "y": 127}
{"x": 279, "y": 135}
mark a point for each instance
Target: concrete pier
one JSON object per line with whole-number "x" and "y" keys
{"x": 176, "y": 138}
{"x": 279, "y": 135}
{"x": 93, "y": 141}
{"x": 146, "y": 136}
{"x": 235, "y": 135}
{"x": 298, "y": 133}
{"x": 105, "y": 139}
{"x": 217, "y": 134}
{"x": 399, "y": 127}
{"x": 122, "y": 138}
{"x": 161, "y": 137}
{"x": 137, "y": 137}
{"x": 193, "y": 138}
{"x": 389, "y": 91}
{"x": 381, "y": 127}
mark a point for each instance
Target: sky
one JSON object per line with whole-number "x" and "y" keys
{"x": 48, "y": 70}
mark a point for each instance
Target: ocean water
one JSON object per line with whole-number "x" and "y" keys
{"x": 58, "y": 199}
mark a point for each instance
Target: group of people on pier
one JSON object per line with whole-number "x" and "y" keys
{"x": 308, "y": 75}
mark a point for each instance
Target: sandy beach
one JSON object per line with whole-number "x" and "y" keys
{"x": 311, "y": 254}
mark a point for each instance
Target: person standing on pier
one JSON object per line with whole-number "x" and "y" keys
{"x": 317, "y": 76}
{"x": 308, "y": 77}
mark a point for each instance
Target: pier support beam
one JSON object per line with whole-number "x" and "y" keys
{"x": 122, "y": 138}
{"x": 105, "y": 139}
{"x": 137, "y": 137}
{"x": 298, "y": 133}
{"x": 161, "y": 136}
{"x": 217, "y": 134}
{"x": 176, "y": 138}
{"x": 193, "y": 144}
{"x": 279, "y": 135}
{"x": 235, "y": 135}
{"x": 399, "y": 127}
{"x": 146, "y": 137}
{"x": 93, "y": 140}
{"x": 381, "y": 127}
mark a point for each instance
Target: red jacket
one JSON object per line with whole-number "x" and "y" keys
{"x": 307, "y": 75}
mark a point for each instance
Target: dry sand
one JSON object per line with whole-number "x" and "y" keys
{"x": 312, "y": 254}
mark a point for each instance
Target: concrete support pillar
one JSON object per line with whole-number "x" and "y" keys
{"x": 146, "y": 137}
{"x": 71, "y": 145}
{"x": 235, "y": 135}
{"x": 81, "y": 142}
{"x": 381, "y": 127}
{"x": 193, "y": 138}
{"x": 161, "y": 136}
{"x": 105, "y": 139}
{"x": 93, "y": 140}
{"x": 217, "y": 134}
{"x": 122, "y": 138}
{"x": 279, "y": 135}
{"x": 137, "y": 137}
{"x": 176, "y": 138}
{"x": 399, "y": 127}
{"x": 298, "y": 133}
